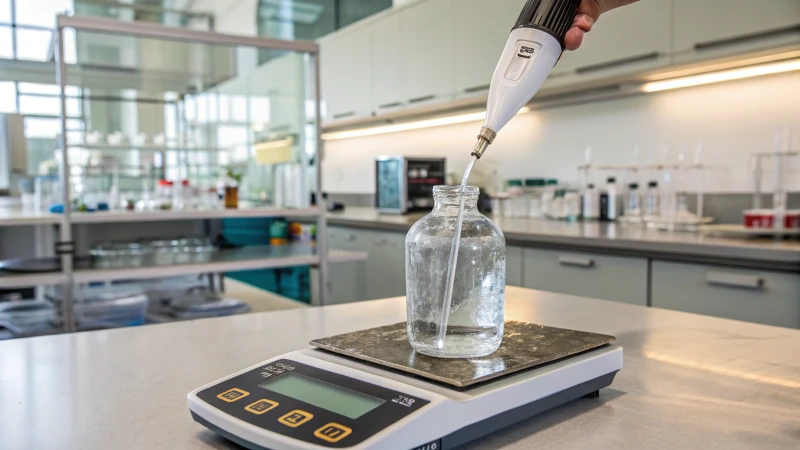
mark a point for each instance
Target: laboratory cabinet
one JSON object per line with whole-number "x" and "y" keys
{"x": 739, "y": 26}
{"x": 382, "y": 275}
{"x": 627, "y": 40}
{"x": 346, "y": 73}
{"x": 426, "y": 52}
{"x": 437, "y": 52}
{"x": 387, "y": 73}
{"x": 621, "y": 279}
{"x": 771, "y": 298}
{"x": 514, "y": 265}
{"x": 481, "y": 32}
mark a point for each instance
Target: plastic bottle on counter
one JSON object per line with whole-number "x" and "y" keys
{"x": 633, "y": 207}
{"x": 572, "y": 206}
{"x": 608, "y": 201}
{"x": 652, "y": 201}
{"x": 534, "y": 188}
{"x": 591, "y": 203}
{"x": 516, "y": 205}
{"x": 548, "y": 197}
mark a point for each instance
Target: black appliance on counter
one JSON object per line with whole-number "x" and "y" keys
{"x": 404, "y": 185}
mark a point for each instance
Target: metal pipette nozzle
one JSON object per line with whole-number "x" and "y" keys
{"x": 485, "y": 138}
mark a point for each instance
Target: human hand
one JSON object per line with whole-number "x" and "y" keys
{"x": 588, "y": 13}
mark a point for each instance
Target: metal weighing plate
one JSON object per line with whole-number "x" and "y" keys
{"x": 525, "y": 345}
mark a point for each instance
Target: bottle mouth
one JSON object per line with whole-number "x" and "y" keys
{"x": 454, "y": 192}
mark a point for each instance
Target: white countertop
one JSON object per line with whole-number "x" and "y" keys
{"x": 689, "y": 381}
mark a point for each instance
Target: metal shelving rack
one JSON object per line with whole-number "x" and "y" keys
{"x": 225, "y": 260}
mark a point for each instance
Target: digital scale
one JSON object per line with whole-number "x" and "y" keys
{"x": 370, "y": 390}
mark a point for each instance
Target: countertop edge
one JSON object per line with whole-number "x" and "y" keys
{"x": 708, "y": 253}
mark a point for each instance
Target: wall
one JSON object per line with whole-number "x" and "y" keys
{"x": 733, "y": 120}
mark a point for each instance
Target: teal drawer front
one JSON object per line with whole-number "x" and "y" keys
{"x": 770, "y": 298}
{"x": 587, "y": 275}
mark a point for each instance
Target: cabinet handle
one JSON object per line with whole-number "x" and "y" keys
{"x": 343, "y": 115}
{"x": 710, "y": 45}
{"x": 618, "y": 63}
{"x": 735, "y": 280}
{"x": 572, "y": 261}
{"x": 483, "y": 87}
{"x": 390, "y": 105}
{"x": 422, "y": 99}
{"x": 350, "y": 237}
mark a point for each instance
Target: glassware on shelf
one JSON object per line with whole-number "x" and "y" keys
{"x": 164, "y": 196}
{"x": 475, "y": 326}
{"x": 27, "y": 193}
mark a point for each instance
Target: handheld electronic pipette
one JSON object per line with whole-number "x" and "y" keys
{"x": 532, "y": 50}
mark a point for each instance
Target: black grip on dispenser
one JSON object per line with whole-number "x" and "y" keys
{"x": 551, "y": 16}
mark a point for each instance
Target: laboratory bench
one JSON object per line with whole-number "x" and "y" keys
{"x": 689, "y": 381}
{"x": 751, "y": 280}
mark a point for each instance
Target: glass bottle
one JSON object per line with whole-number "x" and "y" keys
{"x": 475, "y": 324}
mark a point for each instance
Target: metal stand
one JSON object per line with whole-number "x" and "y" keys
{"x": 156, "y": 31}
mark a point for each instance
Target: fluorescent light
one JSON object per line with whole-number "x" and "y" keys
{"x": 288, "y": 142}
{"x": 725, "y": 75}
{"x": 428, "y": 123}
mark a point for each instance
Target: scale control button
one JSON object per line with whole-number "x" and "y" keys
{"x": 261, "y": 406}
{"x": 232, "y": 395}
{"x": 295, "y": 418}
{"x": 333, "y": 432}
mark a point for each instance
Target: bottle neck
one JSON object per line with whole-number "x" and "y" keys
{"x": 450, "y": 205}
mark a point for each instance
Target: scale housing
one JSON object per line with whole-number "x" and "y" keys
{"x": 416, "y": 413}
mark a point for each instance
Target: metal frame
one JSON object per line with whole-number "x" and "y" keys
{"x": 148, "y": 30}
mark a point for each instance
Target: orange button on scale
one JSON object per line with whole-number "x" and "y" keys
{"x": 261, "y": 406}
{"x": 232, "y": 395}
{"x": 295, "y": 418}
{"x": 333, "y": 432}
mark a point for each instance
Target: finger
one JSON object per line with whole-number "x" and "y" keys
{"x": 591, "y": 8}
{"x": 584, "y": 22}
{"x": 573, "y": 38}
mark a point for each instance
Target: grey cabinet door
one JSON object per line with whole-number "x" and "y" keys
{"x": 347, "y": 278}
{"x": 614, "y": 278}
{"x": 514, "y": 257}
{"x": 750, "y": 295}
{"x": 386, "y": 270}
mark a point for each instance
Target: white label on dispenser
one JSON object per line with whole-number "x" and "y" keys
{"x": 525, "y": 55}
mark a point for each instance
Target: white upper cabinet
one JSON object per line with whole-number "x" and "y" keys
{"x": 714, "y": 28}
{"x": 426, "y": 52}
{"x": 346, "y": 73}
{"x": 387, "y": 66}
{"x": 438, "y": 51}
{"x": 481, "y": 31}
{"x": 625, "y": 40}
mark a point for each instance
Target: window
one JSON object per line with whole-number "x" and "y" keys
{"x": 6, "y": 44}
{"x": 310, "y": 19}
{"x": 5, "y": 11}
{"x": 40, "y": 13}
{"x": 33, "y": 45}
{"x": 8, "y": 97}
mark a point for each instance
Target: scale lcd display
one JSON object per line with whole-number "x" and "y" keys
{"x": 337, "y": 399}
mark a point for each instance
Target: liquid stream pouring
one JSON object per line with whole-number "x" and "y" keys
{"x": 370, "y": 390}
{"x": 533, "y": 49}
